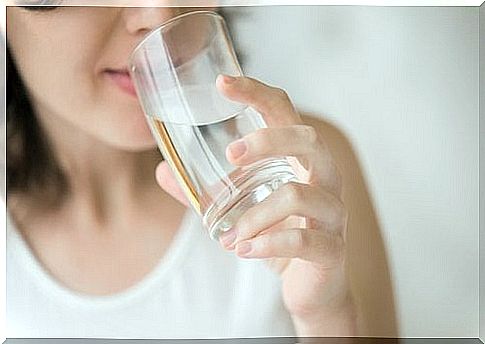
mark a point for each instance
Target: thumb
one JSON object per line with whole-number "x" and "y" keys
{"x": 167, "y": 182}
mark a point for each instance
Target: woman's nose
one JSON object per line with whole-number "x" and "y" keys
{"x": 143, "y": 19}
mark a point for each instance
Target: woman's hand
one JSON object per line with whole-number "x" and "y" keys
{"x": 301, "y": 227}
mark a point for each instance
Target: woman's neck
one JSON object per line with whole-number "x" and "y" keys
{"x": 105, "y": 182}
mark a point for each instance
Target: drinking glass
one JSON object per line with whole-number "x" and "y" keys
{"x": 174, "y": 69}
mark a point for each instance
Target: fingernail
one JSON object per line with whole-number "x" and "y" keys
{"x": 229, "y": 237}
{"x": 229, "y": 79}
{"x": 238, "y": 148}
{"x": 244, "y": 248}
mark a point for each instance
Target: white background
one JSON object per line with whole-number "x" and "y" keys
{"x": 402, "y": 84}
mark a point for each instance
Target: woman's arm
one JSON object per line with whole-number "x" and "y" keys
{"x": 301, "y": 228}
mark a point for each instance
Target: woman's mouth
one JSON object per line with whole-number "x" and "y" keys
{"x": 122, "y": 79}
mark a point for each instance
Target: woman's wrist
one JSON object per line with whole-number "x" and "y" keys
{"x": 336, "y": 320}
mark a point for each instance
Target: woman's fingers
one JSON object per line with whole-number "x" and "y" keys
{"x": 290, "y": 199}
{"x": 317, "y": 246}
{"x": 271, "y": 102}
{"x": 301, "y": 141}
{"x": 168, "y": 182}
{"x": 278, "y": 112}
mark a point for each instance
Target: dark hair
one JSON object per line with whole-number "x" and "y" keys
{"x": 31, "y": 164}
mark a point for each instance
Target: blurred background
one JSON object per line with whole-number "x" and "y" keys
{"x": 396, "y": 89}
{"x": 401, "y": 85}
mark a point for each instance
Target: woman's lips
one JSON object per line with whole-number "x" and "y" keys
{"x": 122, "y": 79}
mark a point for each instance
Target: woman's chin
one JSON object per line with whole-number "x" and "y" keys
{"x": 125, "y": 129}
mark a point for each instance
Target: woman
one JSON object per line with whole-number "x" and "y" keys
{"x": 97, "y": 249}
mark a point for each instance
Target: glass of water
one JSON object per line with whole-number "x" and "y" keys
{"x": 174, "y": 69}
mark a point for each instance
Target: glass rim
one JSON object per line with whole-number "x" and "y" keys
{"x": 164, "y": 25}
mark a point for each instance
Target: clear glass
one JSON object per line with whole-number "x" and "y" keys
{"x": 174, "y": 70}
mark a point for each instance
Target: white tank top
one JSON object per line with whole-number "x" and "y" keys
{"x": 197, "y": 290}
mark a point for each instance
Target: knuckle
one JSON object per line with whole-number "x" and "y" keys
{"x": 310, "y": 134}
{"x": 249, "y": 223}
{"x": 264, "y": 245}
{"x": 340, "y": 249}
{"x": 298, "y": 241}
{"x": 340, "y": 213}
{"x": 343, "y": 212}
{"x": 336, "y": 178}
{"x": 338, "y": 221}
{"x": 281, "y": 94}
{"x": 243, "y": 225}
{"x": 278, "y": 97}
{"x": 294, "y": 193}
{"x": 260, "y": 140}
{"x": 247, "y": 83}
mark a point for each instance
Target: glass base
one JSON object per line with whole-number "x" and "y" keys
{"x": 253, "y": 186}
